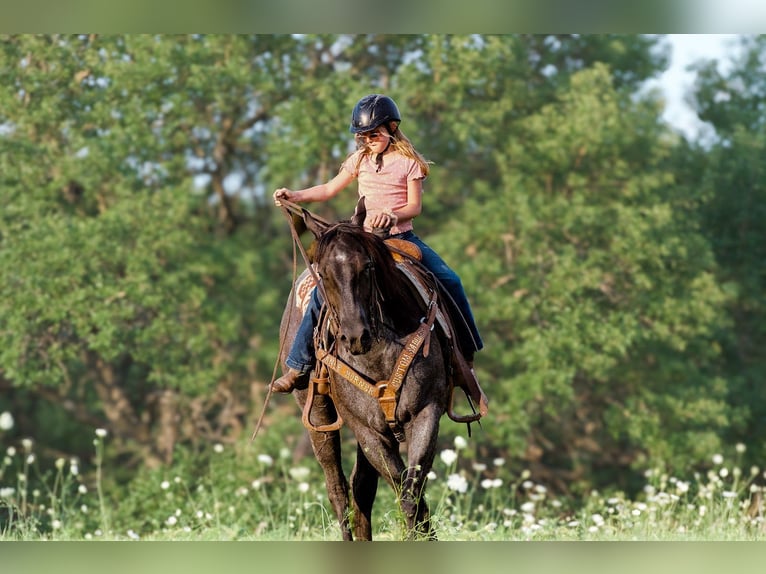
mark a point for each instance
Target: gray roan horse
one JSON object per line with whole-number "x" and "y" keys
{"x": 371, "y": 316}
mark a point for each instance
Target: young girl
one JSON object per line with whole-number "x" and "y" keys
{"x": 390, "y": 174}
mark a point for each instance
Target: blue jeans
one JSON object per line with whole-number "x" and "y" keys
{"x": 301, "y": 356}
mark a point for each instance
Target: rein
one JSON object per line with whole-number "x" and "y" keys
{"x": 287, "y": 207}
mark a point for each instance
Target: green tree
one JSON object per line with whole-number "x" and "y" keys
{"x": 596, "y": 295}
{"x": 145, "y": 268}
{"x": 728, "y": 179}
{"x": 133, "y": 297}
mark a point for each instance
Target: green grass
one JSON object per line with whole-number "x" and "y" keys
{"x": 249, "y": 491}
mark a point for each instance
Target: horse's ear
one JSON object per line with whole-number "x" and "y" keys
{"x": 360, "y": 213}
{"x": 314, "y": 225}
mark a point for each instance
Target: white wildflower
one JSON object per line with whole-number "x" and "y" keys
{"x": 740, "y": 447}
{"x": 460, "y": 442}
{"x": 431, "y": 475}
{"x": 82, "y": 489}
{"x": 6, "y": 421}
{"x": 171, "y": 521}
{"x": 164, "y": 485}
{"x": 528, "y": 507}
{"x": 457, "y": 483}
{"x": 481, "y": 467}
{"x": 100, "y": 433}
{"x": 303, "y": 487}
{"x": 717, "y": 459}
{"x": 218, "y": 447}
{"x": 448, "y": 456}
{"x": 265, "y": 459}
{"x": 300, "y": 473}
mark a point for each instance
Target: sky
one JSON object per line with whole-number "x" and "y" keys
{"x": 676, "y": 81}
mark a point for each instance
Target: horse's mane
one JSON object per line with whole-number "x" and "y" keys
{"x": 401, "y": 305}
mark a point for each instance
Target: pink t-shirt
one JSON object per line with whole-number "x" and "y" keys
{"x": 386, "y": 189}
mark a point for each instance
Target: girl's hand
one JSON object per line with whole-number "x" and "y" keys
{"x": 282, "y": 193}
{"x": 385, "y": 220}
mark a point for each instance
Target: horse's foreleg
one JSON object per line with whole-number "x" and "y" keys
{"x": 327, "y": 449}
{"x": 421, "y": 434}
{"x": 364, "y": 487}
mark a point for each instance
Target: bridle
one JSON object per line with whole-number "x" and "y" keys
{"x": 385, "y": 391}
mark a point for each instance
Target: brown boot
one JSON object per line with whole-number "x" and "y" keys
{"x": 286, "y": 383}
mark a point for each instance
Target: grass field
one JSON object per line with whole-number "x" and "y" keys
{"x": 241, "y": 494}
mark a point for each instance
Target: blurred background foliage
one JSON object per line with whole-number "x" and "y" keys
{"x": 617, "y": 270}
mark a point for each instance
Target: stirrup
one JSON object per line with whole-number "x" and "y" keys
{"x": 470, "y": 418}
{"x": 319, "y": 385}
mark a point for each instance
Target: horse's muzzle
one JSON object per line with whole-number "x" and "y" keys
{"x": 358, "y": 345}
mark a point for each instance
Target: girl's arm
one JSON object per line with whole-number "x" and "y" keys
{"x": 321, "y": 192}
{"x": 403, "y": 214}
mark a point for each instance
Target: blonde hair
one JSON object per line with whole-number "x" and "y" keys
{"x": 399, "y": 143}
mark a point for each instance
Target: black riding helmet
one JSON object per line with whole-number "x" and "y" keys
{"x": 372, "y": 111}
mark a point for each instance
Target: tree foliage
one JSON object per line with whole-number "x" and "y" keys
{"x": 616, "y": 276}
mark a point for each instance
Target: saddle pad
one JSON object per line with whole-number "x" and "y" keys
{"x": 304, "y": 286}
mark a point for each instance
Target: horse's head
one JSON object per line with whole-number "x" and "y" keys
{"x": 357, "y": 273}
